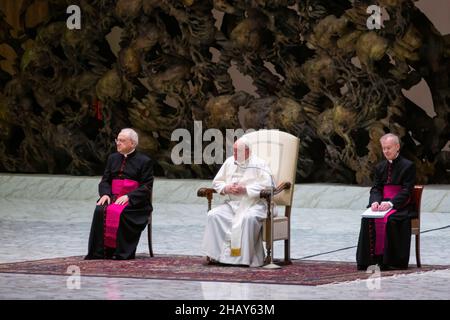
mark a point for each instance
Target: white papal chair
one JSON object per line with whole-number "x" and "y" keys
{"x": 280, "y": 151}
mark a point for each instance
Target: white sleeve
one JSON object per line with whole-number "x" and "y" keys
{"x": 219, "y": 181}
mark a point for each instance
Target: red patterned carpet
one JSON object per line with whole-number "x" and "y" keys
{"x": 194, "y": 268}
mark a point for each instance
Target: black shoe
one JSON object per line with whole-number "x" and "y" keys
{"x": 392, "y": 268}
{"x": 94, "y": 257}
{"x": 362, "y": 267}
{"x": 210, "y": 261}
{"x": 385, "y": 267}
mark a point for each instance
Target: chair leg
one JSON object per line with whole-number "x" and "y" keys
{"x": 268, "y": 253}
{"x": 149, "y": 236}
{"x": 419, "y": 265}
{"x": 287, "y": 251}
{"x": 268, "y": 243}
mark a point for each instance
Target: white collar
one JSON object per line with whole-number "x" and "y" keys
{"x": 243, "y": 163}
{"x": 398, "y": 153}
{"x": 390, "y": 161}
{"x": 127, "y": 154}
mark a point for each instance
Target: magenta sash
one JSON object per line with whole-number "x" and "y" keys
{"x": 389, "y": 192}
{"x": 113, "y": 211}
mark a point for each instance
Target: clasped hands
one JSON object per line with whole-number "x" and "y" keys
{"x": 383, "y": 206}
{"x": 235, "y": 189}
{"x": 106, "y": 199}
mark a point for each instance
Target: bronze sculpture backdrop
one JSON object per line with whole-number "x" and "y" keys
{"x": 318, "y": 71}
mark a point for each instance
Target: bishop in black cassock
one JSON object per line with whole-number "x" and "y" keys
{"x": 124, "y": 206}
{"x": 387, "y": 243}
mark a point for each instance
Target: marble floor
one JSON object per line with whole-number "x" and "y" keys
{"x": 57, "y": 226}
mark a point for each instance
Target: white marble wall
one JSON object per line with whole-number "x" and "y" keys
{"x": 56, "y": 187}
{"x": 436, "y": 198}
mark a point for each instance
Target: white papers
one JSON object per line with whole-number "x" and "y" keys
{"x": 374, "y": 214}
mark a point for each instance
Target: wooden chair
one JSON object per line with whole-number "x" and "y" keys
{"x": 280, "y": 151}
{"x": 415, "y": 222}
{"x": 149, "y": 235}
{"x": 149, "y": 230}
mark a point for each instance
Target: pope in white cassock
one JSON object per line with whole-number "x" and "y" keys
{"x": 233, "y": 229}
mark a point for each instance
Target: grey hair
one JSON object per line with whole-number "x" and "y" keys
{"x": 132, "y": 135}
{"x": 392, "y": 136}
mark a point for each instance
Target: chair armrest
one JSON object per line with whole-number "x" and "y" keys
{"x": 266, "y": 193}
{"x": 205, "y": 192}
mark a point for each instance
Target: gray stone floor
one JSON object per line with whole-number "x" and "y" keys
{"x": 38, "y": 229}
